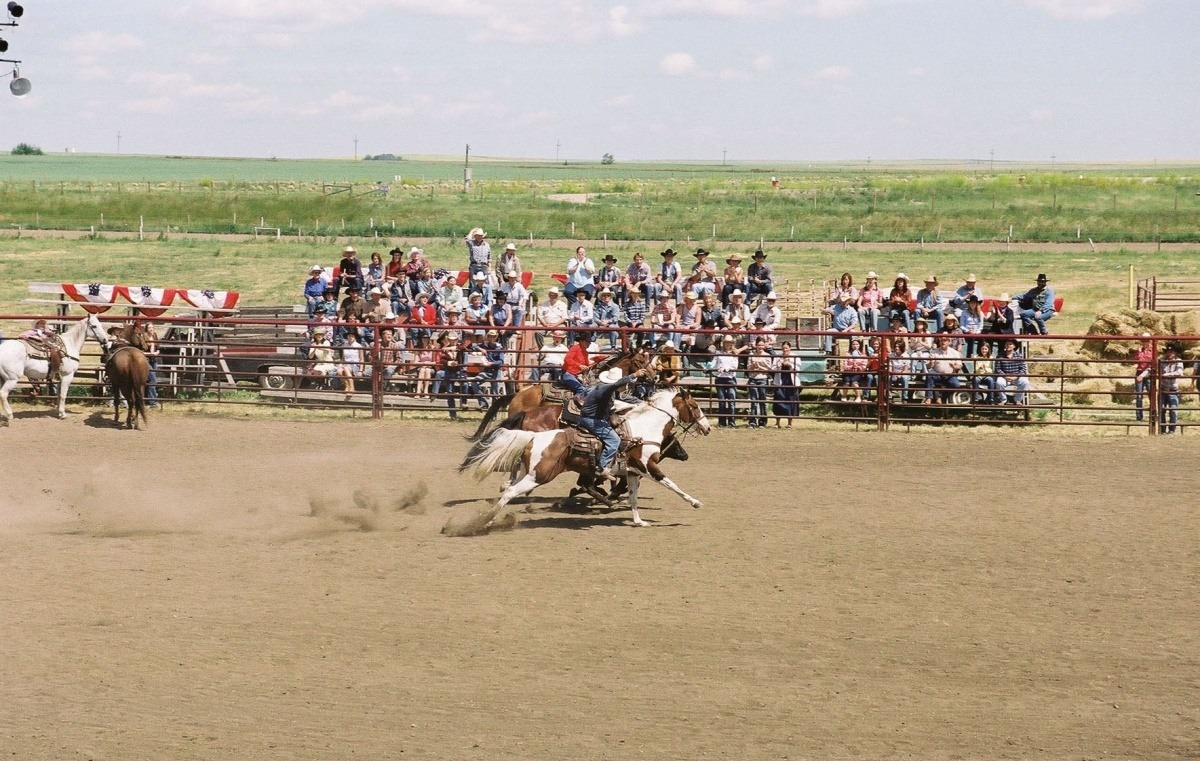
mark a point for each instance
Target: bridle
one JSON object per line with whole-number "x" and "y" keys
{"x": 676, "y": 417}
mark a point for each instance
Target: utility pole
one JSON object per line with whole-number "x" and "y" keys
{"x": 557, "y": 145}
{"x": 356, "y": 147}
{"x": 1052, "y": 158}
{"x": 723, "y": 152}
{"x": 993, "y": 154}
{"x": 118, "y": 141}
{"x": 467, "y": 170}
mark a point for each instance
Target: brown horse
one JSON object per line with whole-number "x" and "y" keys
{"x": 128, "y": 372}
{"x": 533, "y": 396}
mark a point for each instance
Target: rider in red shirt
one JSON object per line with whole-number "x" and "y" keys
{"x": 575, "y": 362}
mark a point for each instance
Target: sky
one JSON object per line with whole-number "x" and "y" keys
{"x": 690, "y": 80}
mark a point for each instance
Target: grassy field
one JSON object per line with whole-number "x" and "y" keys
{"x": 907, "y": 202}
{"x": 272, "y": 273}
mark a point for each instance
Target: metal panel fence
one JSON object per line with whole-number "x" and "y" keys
{"x": 268, "y": 361}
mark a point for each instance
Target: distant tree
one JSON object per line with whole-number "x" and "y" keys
{"x": 383, "y": 157}
{"x": 25, "y": 149}
{"x": 607, "y": 159}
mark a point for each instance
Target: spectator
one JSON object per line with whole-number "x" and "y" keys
{"x": 951, "y": 328}
{"x": 734, "y": 277}
{"x": 972, "y": 320}
{"x": 899, "y": 299}
{"x": 447, "y": 381}
{"x": 1170, "y": 370}
{"x": 480, "y": 284}
{"x": 581, "y": 314}
{"x": 689, "y": 320}
{"x": 327, "y": 306}
{"x": 389, "y": 353}
{"x": 669, "y": 279}
{"x": 724, "y": 366}
{"x": 845, "y": 287}
{"x": 870, "y": 301}
{"x": 1141, "y": 373}
{"x": 635, "y": 311}
{"x": 1037, "y": 306}
{"x": 712, "y": 317}
{"x": 929, "y": 303}
{"x": 509, "y": 261}
{"x": 737, "y": 314}
{"x": 424, "y": 283}
{"x": 553, "y": 313}
{"x": 376, "y": 311}
{"x": 942, "y": 372}
{"x": 349, "y": 272}
{"x": 551, "y": 356}
{"x": 423, "y": 317}
{"x": 1012, "y": 372}
{"x": 962, "y": 296}
{"x": 844, "y": 318}
{"x": 320, "y": 353}
{"x": 477, "y": 315}
{"x": 900, "y": 367}
{"x": 474, "y": 368}
{"x": 516, "y": 296}
{"x": 605, "y": 314}
{"x": 664, "y": 320}
{"x": 396, "y": 266}
{"x": 450, "y": 294}
{"x": 350, "y": 314}
{"x": 1000, "y": 320}
{"x": 704, "y": 274}
{"x": 785, "y": 401}
{"x": 479, "y": 252}
{"x": 983, "y": 376}
{"x": 871, "y": 379}
{"x": 350, "y": 368}
{"x": 500, "y": 316}
{"x": 398, "y": 294}
{"x": 896, "y": 324}
{"x": 416, "y": 263}
{"x": 759, "y": 276}
{"x": 854, "y": 368}
{"x": 581, "y": 274}
{"x": 920, "y": 338}
{"x": 611, "y": 277}
{"x": 637, "y": 278}
{"x": 456, "y": 325}
{"x": 768, "y": 312}
{"x": 426, "y": 360}
{"x": 759, "y": 366}
{"x": 667, "y": 364}
{"x": 373, "y": 277}
{"x": 314, "y": 289}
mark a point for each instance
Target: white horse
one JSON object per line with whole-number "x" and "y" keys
{"x": 544, "y": 455}
{"x": 15, "y": 362}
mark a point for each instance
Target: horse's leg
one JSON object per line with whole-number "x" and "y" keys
{"x": 673, "y": 487}
{"x": 6, "y": 387}
{"x": 634, "y": 482}
{"x": 524, "y": 486}
{"x": 64, "y": 384}
{"x": 116, "y": 395}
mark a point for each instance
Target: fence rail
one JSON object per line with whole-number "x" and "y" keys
{"x": 265, "y": 361}
{"x": 1168, "y": 294}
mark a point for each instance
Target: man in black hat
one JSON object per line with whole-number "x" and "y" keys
{"x": 669, "y": 278}
{"x": 1037, "y": 306}
{"x": 611, "y": 277}
{"x": 759, "y": 277}
{"x": 704, "y": 274}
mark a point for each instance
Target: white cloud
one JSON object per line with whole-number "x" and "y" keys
{"x": 621, "y": 21}
{"x": 678, "y": 65}
{"x": 830, "y": 75}
{"x": 89, "y": 48}
{"x": 159, "y": 105}
{"x": 755, "y": 9}
{"x": 763, "y": 62}
{"x": 1041, "y": 115}
{"x": 1085, "y": 10}
{"x": 93, "y": 74}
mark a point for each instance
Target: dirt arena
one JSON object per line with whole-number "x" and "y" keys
{"x": 217, "y": 589}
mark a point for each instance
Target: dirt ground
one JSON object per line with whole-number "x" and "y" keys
{"x": 224, "y": 588}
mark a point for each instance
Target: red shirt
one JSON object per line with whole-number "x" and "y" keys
{"x": 576, "y": 360}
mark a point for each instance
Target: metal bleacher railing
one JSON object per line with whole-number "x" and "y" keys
{"x": 265, "y": 360}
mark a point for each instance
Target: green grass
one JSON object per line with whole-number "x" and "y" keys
{"x": 628, "y": 201}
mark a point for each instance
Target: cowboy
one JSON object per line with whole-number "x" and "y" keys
{"x": 759, "y": 276}
{"x": 576, "y": 362}
{"x": 597, "y": 407}
{"x": 350, "y": 274}
{"x": 1037, "y": 306}
{"x": 479, "y": 253}
{"x": 314, "y": 289}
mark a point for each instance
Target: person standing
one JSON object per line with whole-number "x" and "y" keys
{"x": 1141, "y": 373}
{"x": 149, "y": 347}
{"x": 581, "y": 275}
{"x": 479, "y": 253}
{"x": 597, "y": 407}
{"x": 759, "y": 366}
{"x": 1170, "y": 370}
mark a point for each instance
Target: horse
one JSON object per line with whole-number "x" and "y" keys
{"x": 128, "y": 371}
{"x": 544, "y": 455}
{"x": 15, "y": 361}
{"x": 533, "y": 396}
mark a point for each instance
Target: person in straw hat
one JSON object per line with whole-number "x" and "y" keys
{"x": 734, "y": 277}
{"x": 479, "y": 252}
{"x": 870, "y": 303}
{"x": 929, "y": 303}
{"x": 965, "y": 291}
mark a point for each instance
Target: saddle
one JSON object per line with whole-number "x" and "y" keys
{"x": 51, "y": 352}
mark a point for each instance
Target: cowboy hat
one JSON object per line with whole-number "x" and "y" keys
{"x": 477, "y": 231}
{"x": 611, "y": 375}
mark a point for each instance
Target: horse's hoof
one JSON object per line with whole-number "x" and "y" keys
{"x": 640, "y": 522}
{"x": 697, "y": 503}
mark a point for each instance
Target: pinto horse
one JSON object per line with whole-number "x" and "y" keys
{"x": 545, "y": 455}
{"x": 15, "y": 361}
{"x": 531, "y": 397}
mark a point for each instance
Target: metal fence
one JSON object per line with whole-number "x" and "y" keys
{"x": 1072, "y": 380}
{"x": 1168, "y": 294}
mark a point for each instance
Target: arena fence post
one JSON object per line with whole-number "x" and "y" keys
{"x": 883, "y": 388}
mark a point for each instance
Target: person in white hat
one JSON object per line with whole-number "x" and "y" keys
{"x": 930, "y": 306}
{"x": 350, "y": 273}
{"x": 968, "y": 289}
{"x": 314, "y": 289}
{"x": 768, "y": 312}
{"x": 479, "y": 284}
{"x": 597, "y": 407}
{"x": 479, "y": 253}
{"x": 509, "y": 261}
{"x": 551, "y": 314}
{"x": 870, "y": 303}
{"x": 416, "y": 263}
{"x": 1144, "y": 367}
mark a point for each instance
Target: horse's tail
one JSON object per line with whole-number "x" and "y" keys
{"x": 514, "y": 422}
{"x": 139, "y": 402}
{"x": 500, "y": 451}
{"x": 498, "y": 404}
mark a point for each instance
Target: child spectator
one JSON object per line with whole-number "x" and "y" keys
{"x": 870, "y": 302}
{"x": 663, "y": 320}
{"x": 426, "y": 357}
{"x": 373, "y": 276}
{"x": 900, "y": 368}
{"x": 983, "y": 376}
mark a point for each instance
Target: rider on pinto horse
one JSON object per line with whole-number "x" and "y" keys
{"x": 597, "y": 408}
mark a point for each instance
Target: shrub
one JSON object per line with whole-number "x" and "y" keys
{"x": 25, "y": 149}
{"x": 607, "y": 159}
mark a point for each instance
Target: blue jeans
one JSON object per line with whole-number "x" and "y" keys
{"x": 868, "y": 320}
{"x": 571, "y": 382}
{"x": 984, "y": 381}
{"x": 948, "y": 383}
{"x": 606, "y": 434}
{"x": 726, "y": 400}
{"x": 1140, "y": 389}
{"x": 1036, "y": 319}
{"x": 1170, "y": 413}
{"x": 152, "y": 383}
{"x": 757, "y": 388}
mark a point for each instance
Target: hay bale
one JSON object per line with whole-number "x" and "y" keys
{"x": 1125, "y": 322}
{"x": 1089, "y": 391}
{"x": 1122, "y": 391}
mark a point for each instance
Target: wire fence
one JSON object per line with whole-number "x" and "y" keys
{"x": 741, "y": 378}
